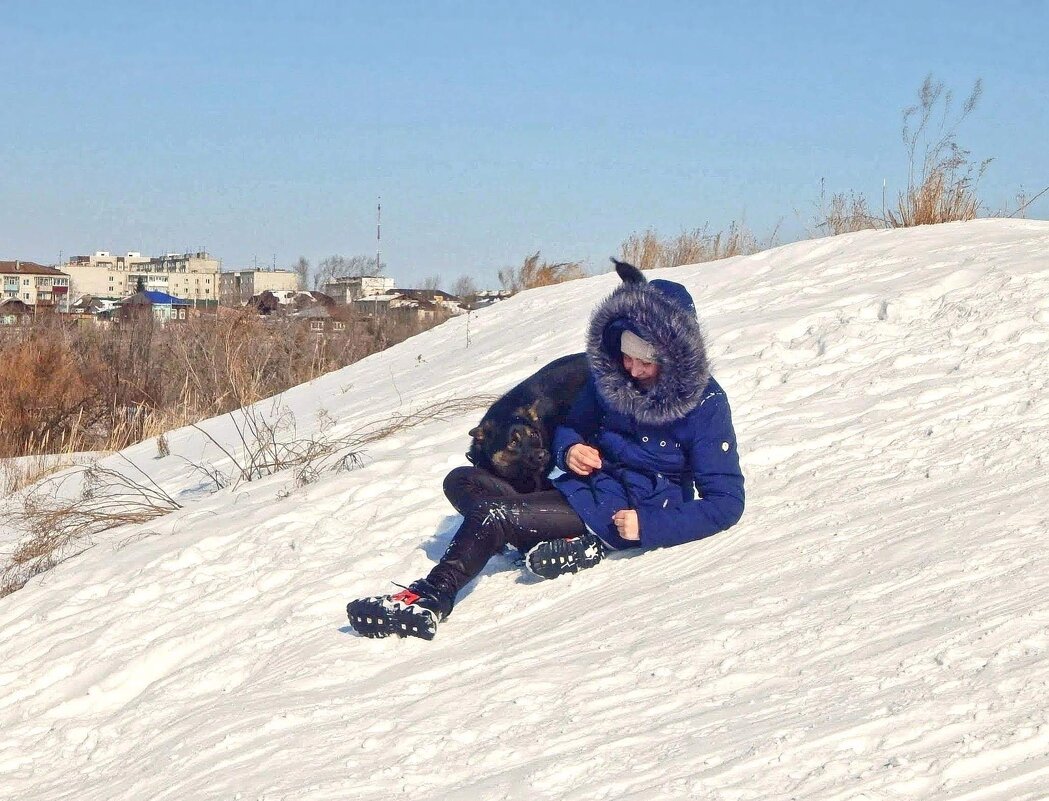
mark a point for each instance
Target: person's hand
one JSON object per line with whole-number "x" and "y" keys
{"x": 626, "y": 524}
{"x": 583, "y": 459}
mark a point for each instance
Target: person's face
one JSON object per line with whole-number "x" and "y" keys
{"x": 644, "y": 373}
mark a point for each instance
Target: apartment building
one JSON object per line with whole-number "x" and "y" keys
{"x": 34, "y": 284}
{"x": 237, "y": 287}
{"x": 191, "y": 276}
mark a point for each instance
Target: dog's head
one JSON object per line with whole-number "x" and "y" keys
{"x": 515, "y": 450}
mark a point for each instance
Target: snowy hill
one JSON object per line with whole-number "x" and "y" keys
{"x": 876, "y": 627}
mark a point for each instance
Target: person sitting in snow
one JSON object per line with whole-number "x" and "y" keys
{"x": 650, "y": 431}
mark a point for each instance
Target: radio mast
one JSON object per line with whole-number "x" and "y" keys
{"x": 378, "y": 237}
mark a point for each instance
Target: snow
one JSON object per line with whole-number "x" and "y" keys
{"x": 876, "y": 627}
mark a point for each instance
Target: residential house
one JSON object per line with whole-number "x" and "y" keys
{"x": 486, "y": 297}
{"x": 438, "y": 297}
{"x": 15, "y": 312}
{"x": 314, "y": 310}
{"x": 159, "y": 305}
{"x": 94, "y": 309}
{"x": 405, "y": 303}
{"x": 35, "y": 284}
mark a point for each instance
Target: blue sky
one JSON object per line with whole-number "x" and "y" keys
{"x": 490, "y": 129}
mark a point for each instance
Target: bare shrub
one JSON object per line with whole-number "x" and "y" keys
{"x": 465, "y": 288}
{"x": 271, "y": 443}
{"x": 844, "y": 214}
{"x": 648, "y": 251}
{"x": 1022, "y": 203}
{"x": 941, "y": 181}
{"x": 43, "y": 396}
{"x": 534, "y": 273}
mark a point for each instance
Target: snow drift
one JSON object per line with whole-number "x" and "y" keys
{"x": 876, "y": 627}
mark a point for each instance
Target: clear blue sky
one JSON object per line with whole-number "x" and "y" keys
{"x": 490, "y": 129}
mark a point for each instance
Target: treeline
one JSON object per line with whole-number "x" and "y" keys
{"x": 69, "y": 387}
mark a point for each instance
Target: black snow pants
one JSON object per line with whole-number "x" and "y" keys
{"x": 496, "y": 515}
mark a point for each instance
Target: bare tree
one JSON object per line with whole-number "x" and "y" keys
{"x": 302, "y": 268}
{"x": 431, "y": 282}
{"x": 327, "y": 269}
{"x": 337, "y": 266}
{"x": 363, "y": 265}
{"x": 464, "y": 288}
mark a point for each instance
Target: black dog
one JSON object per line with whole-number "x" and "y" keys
{"x": 513, "y": 438}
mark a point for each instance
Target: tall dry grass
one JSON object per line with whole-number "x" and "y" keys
{"x": 844, "y": 214}
{"x": 59, "y": 522}
{"x": 942, "y": 181}
{"x": 649, "y": 251}
{"x": 57, "y": 526}
{"x": 533, "y": 272}
{"x": 72, "y": 387}
{"x": 18, "y": 473}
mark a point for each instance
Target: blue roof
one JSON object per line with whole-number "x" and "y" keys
{"x": 164, "y": 299}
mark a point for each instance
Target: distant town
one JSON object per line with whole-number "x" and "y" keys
{"x": 106, "y": 288}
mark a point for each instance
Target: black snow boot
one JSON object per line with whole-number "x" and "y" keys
{"x": 554, "y": 558}
{"x": 412, "y": 612}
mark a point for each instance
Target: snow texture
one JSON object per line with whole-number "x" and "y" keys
{"x": 876, "y": 627}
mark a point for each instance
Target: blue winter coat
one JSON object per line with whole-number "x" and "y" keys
{"x": 668, "y": 453}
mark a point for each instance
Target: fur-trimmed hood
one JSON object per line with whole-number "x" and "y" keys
{"x": 662, "y": 313}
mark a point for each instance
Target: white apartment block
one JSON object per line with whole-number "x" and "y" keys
{"x": 238, "y": 287}
{"x": 34, "y": 284}
{"x": 348, "y": 288}
{"x": 190, "y": 276}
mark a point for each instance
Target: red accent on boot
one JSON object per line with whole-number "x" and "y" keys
{"x": 406, "y": 597}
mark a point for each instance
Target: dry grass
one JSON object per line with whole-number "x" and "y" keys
{"x": 845, "y": 214}
{"x": 648, "y": 251}
{"x": 534, "y": 273}
{"x": 19, "y": 473}
{"x": 58, "y": 526}
{"x": 83, "y": 388}
{"x": 941, "y": 197}
{"x": 271, "y": 443}
{"x": 942, "y": 181}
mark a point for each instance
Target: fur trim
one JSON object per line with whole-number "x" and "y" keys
{"x": 659, "y": 316}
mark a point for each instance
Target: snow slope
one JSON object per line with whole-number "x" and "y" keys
{"x": 877, "y": 626}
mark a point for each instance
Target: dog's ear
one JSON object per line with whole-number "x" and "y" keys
{"x": 629, "y": 273}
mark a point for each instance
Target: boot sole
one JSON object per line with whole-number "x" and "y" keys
{"x": 370, "y": 617}
{"x": 559, "y": 559}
